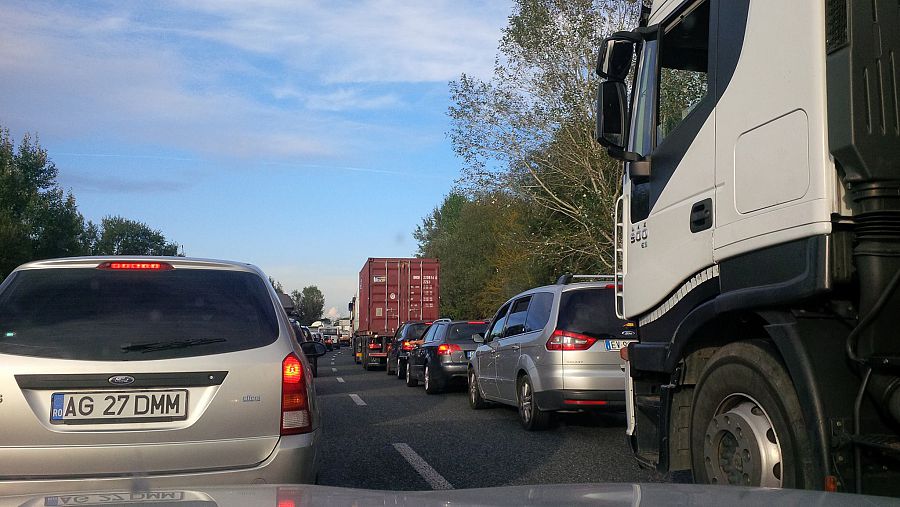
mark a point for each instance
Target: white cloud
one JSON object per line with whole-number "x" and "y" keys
{"x": 333, "y": 313}
{"x": 202, "y": 76}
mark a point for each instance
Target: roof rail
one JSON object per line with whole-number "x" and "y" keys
{"x": 442, "y": 319}
{"x": 570, "y": 278}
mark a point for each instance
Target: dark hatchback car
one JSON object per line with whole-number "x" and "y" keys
{"x": 442, "y": 359}
{"x": 400, "y": 346}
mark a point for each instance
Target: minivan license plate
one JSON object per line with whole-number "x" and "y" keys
{"x": 617, "y": 344}
{"x": 118, "y": 407}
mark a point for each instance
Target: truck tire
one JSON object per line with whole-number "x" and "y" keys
{"x": 410, "y": 380}
{"x": 531, "y": 417}
{"x": 747, "y": 427}
{"x": 475, "y": 399}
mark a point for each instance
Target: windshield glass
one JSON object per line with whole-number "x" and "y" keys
{"x": 103, "y": 315}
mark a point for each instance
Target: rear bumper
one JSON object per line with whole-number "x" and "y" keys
{"x": 570, "y": 399}
{"x": 294, "y": 460}
{"x": 451, "y": 372}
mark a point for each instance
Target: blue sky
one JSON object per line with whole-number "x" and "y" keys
{"x": 300, "y": 136}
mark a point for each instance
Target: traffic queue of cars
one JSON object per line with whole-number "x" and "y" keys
{"x": 123, "y": 367}
{"x": 549, "y": 349}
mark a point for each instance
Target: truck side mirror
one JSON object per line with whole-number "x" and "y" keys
{"x": 614, "y": 60}
{"x": 611, "y": 125}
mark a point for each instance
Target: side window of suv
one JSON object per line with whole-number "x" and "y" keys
{"x": 496, "y": 330}
{"x": 515, "y": 323}
{"x": 429, "y": 335}
{"x": 539, "y": 311}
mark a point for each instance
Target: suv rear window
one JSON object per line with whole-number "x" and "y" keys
{"x": 414, "y": 331}
{"x": 98, "y": 315}
{"x": 462, "y": 332}
{"x": 590, "y": 312}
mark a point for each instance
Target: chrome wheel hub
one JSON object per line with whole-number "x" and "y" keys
{"x": 741, "y": 447}
{"x": 525, "y": 401}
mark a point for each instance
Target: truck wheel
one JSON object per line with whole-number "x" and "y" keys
{"x": 747, "y": 427}
{"x": 410, "y": 380}
{"x": 531, "y": 417}
{"x": 475, "y": 399}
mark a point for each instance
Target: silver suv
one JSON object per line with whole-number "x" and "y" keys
{"x": 173, "y": 370}
{"x": 553, "y": 348}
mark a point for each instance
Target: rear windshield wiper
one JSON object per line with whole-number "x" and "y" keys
{"x": 179, "y": 344}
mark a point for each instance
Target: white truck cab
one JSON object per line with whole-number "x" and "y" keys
{"x": 758, "y": 238}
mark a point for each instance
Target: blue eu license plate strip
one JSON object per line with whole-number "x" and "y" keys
{"x": 56, "y": 407}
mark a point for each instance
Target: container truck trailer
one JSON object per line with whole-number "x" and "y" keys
{"x": 391, "y": 292}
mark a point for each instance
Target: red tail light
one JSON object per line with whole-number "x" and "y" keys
{"x": 448, "y": 348}
{"x": 136, "y": 266}
{"x": 374, "y": 346}
{"x": 407, "y": 346}
{"x": 295, "y": 415}
{"x": 567, "y": 340}
{"x": 477, "y": 322}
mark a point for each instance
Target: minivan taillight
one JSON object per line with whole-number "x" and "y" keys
{"x": 407, "y": 346}
{"x": 567, "y": 340}
{"x": 448, "y": 348}
{"x": 295, "y": 415}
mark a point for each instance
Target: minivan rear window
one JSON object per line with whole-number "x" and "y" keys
{"x": 100, "y": 315}
{"x": 590, "y": 312}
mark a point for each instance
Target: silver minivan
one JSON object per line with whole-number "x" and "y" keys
{"x": 553, "y": 348}
{"x": 172, "y": 371}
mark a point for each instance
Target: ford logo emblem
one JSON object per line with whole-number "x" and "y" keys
{"x": 121, "y": 380}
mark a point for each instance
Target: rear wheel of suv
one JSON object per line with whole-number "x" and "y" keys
{"x": 531, "y": 417}
{"x": 475, "y": 399}
{"x": 410, "y": 380}
{"x": 431, "y": 385}
{"x": 401, "y": 369}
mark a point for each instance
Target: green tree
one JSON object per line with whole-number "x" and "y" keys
{"x": 121, "y": 236}
{"x": 309, "y": 304}
{"x": 528, "y": 130}
{"x": 278, "y": 287}
{"x": 478, "y": 240}
{"x": 37, "y": 219}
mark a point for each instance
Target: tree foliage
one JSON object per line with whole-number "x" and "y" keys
{"x": 121, "y": 236}
{"x": 528, "y": 131}
{"x": 38, "y": 220}
{"x": 308, "y": 304}
{"x": 478, "y": 241}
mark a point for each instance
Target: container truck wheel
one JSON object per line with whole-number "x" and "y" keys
{"x": 747, "y": 427}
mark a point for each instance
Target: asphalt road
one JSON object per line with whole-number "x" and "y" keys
{"x": 381, "y": 434}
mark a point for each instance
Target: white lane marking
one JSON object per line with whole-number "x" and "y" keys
{"x": 334, "y": 370}
{"x": 431, "y": 476}
{"x": 341, "y": 381}
{"x": 356, "y": 399}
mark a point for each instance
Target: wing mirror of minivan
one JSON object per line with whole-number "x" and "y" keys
{"x": 313, "y": 349}
{"x": 478, "y": 338}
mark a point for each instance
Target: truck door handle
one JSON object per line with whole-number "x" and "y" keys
{"x": 701, "y": 215}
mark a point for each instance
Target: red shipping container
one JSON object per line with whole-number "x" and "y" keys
{"x": 393, "y": 291}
